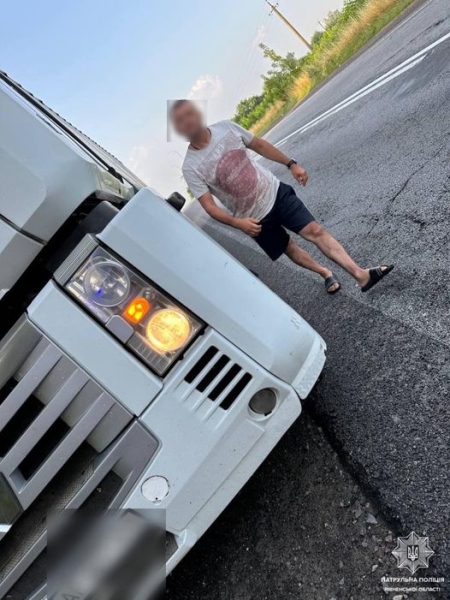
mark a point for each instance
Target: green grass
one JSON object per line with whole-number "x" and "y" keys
{"x": 338, "y": 46}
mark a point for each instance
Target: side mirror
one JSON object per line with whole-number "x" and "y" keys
{"x": 177, "y": 201}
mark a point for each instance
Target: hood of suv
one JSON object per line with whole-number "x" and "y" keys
{"x": 183, "y": 260}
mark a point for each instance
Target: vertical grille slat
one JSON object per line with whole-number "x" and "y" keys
{"x": 237, "y": 390}
{"x": 46, "y": 418}
{"x": 236, "y": 374}
{"x": 224, "y": 382}
{"x": 65, "y": 449}
{"x": 216, "y": 378}
{"x": 209, "y": 381}
{"x": 18, "y": 396}
{"x": 203, "y": 373}
{"x": 200, "y": 365}
{"x": 19, "y": 422}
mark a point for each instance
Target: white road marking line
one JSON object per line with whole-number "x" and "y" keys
{"x": 367, "y": 89}
{"x": 351, "y": 100}
{"x": 388, "y": 35}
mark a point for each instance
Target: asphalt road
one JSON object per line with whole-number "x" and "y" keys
{"x": 380, "y": 182}
{"x": 301, "y": 529}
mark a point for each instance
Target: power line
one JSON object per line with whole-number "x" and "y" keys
{"x": 251, "y": 58}
{"x": 289, "y": 24}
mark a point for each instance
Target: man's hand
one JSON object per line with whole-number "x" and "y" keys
{"x": 268, "y": 150}
{"x": 300, "y": 174}
{"x": 249, "y": 226}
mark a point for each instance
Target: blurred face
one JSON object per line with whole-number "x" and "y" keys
{"x": 187, "y": 120}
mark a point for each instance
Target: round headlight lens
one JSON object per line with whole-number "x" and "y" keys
{"x": 106, "y": 283}
{"x": 168, "y": 330}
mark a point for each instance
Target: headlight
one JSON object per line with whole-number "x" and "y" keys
{"x": 150, "y": 323}
{"x": 168, "y": 330}
{"x": 106, "y": 283}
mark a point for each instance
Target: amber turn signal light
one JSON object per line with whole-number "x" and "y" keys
{"x": 136, "y": 310}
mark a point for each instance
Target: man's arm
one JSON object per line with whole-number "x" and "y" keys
{"x": 271, "y": 152}
{"x": 249, "y": 226}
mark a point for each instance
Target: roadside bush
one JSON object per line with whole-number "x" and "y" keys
{"x": 290, "y": 79}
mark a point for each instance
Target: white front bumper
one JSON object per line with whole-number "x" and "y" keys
{"x": 311, "y": 369}
{"x": 207, "y": 454}
{"x": 208, "y": 449}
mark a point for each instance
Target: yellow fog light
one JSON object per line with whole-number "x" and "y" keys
{"x": 168, "y": 330}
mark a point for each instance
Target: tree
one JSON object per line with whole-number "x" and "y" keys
{"x": 332, "y": 18}
{"x": 282, "y": 74}
{"x": 277, "y": 85}
{"x": 317, "y": 36}
{"x": 245, "y": 108}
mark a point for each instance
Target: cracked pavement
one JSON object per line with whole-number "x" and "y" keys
{"x": 380, "y": 182}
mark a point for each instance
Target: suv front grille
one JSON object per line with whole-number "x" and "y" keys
{"x": 50, "y": 407}
{"x": 218, "y": 378}
{"x": 63, "y": 438}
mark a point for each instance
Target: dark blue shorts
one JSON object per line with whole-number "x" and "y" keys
{"x": 288, "y": 212}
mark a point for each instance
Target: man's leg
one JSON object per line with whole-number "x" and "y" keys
{"x": 303, "y": 259}
{"x": 331, "y": 248}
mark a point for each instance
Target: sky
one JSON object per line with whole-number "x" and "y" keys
{"x": 109, "y": 66}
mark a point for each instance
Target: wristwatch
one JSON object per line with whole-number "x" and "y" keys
{"x": 291, "y": 162}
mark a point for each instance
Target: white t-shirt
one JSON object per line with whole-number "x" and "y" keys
{"x": 226, "y": 169}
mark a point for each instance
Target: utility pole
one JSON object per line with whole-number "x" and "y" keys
{"x": 289, "y": 24}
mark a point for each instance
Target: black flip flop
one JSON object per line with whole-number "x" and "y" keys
{"x": 329, "y": 281}
{"x": 376, "y": 274}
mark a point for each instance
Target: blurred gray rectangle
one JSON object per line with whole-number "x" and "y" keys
{"x": 106, "y": 556}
